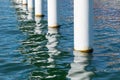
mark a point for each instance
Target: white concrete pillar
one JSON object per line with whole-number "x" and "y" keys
{"x": 31, "y": 13}
{"x": 39, "y": 8}
{"x": 53, "y": 13}
{"x": 83, "y": 33}
{"x": 30, "y": 5}
{"x": 24, "y": 4}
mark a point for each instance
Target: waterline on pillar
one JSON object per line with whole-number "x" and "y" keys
{"x": 85, "y": 51}
{"x": 55, "y": 26}
{"x": 30, "y": 8}
{"x": 39, "y": 15}
{"x": 24, "y": 4}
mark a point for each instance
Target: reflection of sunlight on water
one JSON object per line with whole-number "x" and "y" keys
{"x": 78, "y": 67}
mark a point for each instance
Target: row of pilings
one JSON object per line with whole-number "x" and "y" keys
{"x": 83, "y": 19}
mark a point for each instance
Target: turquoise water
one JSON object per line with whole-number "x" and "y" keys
{"x": 29, "y": 50}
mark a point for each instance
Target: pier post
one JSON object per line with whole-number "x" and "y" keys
{"x": 18, "y": 1}
{"x": 39, "y": 8}
{"x": 53, "y": 13}
{"x": 83, "y": 23}
{"x": 24, "y": 4}
{"x": 30, "y": 5}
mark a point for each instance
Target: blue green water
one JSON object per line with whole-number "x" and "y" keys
{"x": 29, "y": 50}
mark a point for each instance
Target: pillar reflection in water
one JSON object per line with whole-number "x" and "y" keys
{"x": 44, "y": 59}
{"x": 21, "y": 12}
{"x": 17, "y": 5}
{"x": 52, "y": 37}
{"x": 78, "y": 67}
{"x": 24, "y": 13}
{"x": 33, "y": 44}
{"x": 31, "y": 16}
{"x": 24, "y": 7}
{"x": 39, "y": 25}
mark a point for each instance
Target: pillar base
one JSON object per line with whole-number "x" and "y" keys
{"x": 24, "y": 4}
{"x": 39, "y": 15}
{"x": 56, "y": 26}
{"x": 30, "y": 8}
{"x": 85, "y": 51}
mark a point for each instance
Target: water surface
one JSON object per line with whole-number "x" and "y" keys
{"x": 29, "y": 50}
